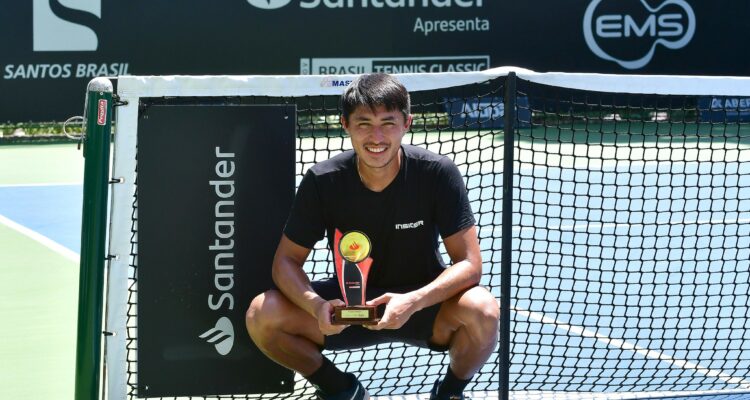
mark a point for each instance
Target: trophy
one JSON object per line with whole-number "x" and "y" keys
{"x": 351, "y": 255}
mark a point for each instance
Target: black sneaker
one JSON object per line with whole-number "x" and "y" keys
{"x": 356, "y": 392}
{"x": 434, "y": 393}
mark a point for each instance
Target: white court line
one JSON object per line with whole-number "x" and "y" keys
{"x": 469, "y": 396}
{"x": 552, "y": 395}
{"x": 477, "y": 167}
{"x": 587, "y": 226}
{"x": 583, "y": 332}
{"x": 15, "y": 185}
{"x": 43, "y": 240}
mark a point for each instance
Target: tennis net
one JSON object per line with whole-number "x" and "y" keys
{"x": 631, "y": 239}
{"x": 626, "y": 241}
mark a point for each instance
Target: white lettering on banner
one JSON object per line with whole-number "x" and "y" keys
{"x": 449, "y": 67}
{"x": 63, "y": 71}
{"x": 618, "y": 26}
{"x": 223, "y": 243}
{"x": 388, "y": 3}
{"x": 52, "y": 33}
{"x": 37, "y": 71}
{"x": 453, "y": 25}
{"x": 742, "y": 104}
{"x": 673, "y": 30}
{"x": 338, "y": 66}
{"x": 484, "y": 110}
{"x": 403, "y": 68}
{"x": 94, "y": 70}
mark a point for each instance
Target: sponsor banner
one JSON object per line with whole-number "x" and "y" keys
{"x": 59, "y": 45}
{"x": 54, "y": 47}
{"x": 724, "y": 109}
{"x": 210, "y": 216}
{"x": 393, "y": 65}
{"x": 630, "y": 36}
{"x": 486, "y": 112}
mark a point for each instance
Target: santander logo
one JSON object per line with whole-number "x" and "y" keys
{"x": 221, "y": 336}
{"x": 269, "y": 4}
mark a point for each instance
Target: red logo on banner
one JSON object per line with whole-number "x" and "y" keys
{"x": 101, "y": 117}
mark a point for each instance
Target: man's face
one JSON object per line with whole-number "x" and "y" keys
{"x": 376, "y": 134}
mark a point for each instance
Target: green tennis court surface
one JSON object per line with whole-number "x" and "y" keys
{"x": 38, "y": 298}
{"x": 40, "y": 164}
{"x": 38, "y": 283}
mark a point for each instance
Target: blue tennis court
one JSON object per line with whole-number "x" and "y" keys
{"x": 630, "y": 275}
{"x": 53, "y": 211}
{"x": 663, "y": 292}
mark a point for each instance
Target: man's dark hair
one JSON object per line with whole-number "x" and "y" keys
{"x": 373, "y": 90}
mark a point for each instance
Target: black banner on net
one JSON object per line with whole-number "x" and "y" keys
{"x": 215, "y": 184}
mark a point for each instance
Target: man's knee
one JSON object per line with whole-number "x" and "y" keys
{"x": 481, "y": 307}
{"x": 263, "y": 317}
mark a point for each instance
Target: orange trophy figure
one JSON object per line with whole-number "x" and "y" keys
{"x": 351, "y": 255}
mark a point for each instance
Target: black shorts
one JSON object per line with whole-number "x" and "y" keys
{"x": 416, "y": 331}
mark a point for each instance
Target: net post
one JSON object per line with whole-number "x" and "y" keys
{"x": 93, "y": 233}
{"x": 507, "y": 232}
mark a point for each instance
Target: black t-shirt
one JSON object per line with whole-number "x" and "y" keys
{"x": 427, "y": 198}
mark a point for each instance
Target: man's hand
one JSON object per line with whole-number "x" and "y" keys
{"x": 324, "y": 312}
{"x": 399, "y": 308}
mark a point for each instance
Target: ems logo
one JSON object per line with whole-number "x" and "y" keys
{"x": 269, "y": 4}
{"x": 630, "y": 38}
{"x": 333, "y": 82}
{"x": 221, "y": 336}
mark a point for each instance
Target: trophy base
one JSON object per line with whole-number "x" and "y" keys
{"x": 355, "y": 315}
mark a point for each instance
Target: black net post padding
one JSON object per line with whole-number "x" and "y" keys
{"x": 507, "y": 234}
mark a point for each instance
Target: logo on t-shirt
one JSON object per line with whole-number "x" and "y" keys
{"x": 410, "y": 225}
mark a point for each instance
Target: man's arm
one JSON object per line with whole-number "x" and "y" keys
{"x": 466, "y": 271}
{"x": 292, "y": 281}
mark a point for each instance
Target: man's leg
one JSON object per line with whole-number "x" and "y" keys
{"x": 468, "y": 324}
{"x": 285, "y": 333}
{"x": 290, "y": 336}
